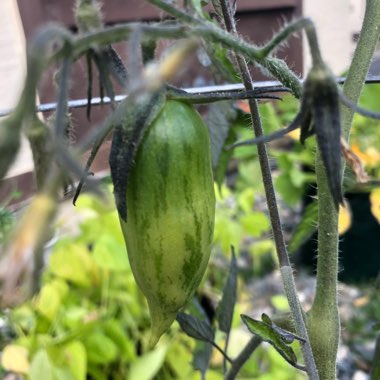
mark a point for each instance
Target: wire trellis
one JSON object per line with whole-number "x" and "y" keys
{"x": 204, "y": 90}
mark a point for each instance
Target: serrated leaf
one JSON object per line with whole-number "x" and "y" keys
{"x": 226, "y": 305}
{"x": 305, "y": 228}
{"x": 287, "y": 336}
{"x": 271, "y": 335}
{"x": 195, "y": 328}
{"x": 266, "y": 318}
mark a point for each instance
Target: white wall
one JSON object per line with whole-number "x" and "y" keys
{"x": 336, "y": 22}
{"x": 12, "y": 73}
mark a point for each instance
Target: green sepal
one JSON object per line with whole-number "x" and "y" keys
{"x": 137, "y": 114}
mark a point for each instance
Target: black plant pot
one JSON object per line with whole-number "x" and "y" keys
{"x": 359, "y": 257}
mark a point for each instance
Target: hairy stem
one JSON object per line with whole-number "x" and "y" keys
{"x": 357, "y": 73}
{"x": 324, "y": 324}
{"x": 283, "y": 257}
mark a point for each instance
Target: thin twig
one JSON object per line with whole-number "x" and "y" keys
{"x": 272, "y": 203}
{"x": 224, "y": 354}
{"x": 244, "y": 355}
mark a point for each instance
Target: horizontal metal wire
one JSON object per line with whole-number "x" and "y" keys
{"x": 204, "y": 90}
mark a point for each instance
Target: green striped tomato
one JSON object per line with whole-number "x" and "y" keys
{"x": 171, "y": 209}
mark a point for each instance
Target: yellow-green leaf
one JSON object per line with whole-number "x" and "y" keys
{"x": 15, "y": 359}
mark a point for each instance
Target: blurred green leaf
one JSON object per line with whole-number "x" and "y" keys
{"x": 305, "y": 228}
{"x": 225, "y": 309}
{"x": 227, "y": 232}
{"x": 255, "y": 223}
{"x": 246, "y": 199}
{"x": 289, "y": 192}
{"x": 219, "y": 119}
{"x": 48, "y": 301}
{"x": 41, "y": 366}
{"x": 72, "y": 262}
{"x": 108, "y": 253}
{"x": 269, "y": 117}
{"x": 375, "y": 371}
{"x": 70, "y": 360}
{"x": 280, "y": 302}
{"x": 201, "y": 357}
{"x": 146, "y": 366}
{"x": 178, "y": 359}
{"x": 195, "y": 327}
{"x": 114, "y": 331}
{"x": 100, "y": 348}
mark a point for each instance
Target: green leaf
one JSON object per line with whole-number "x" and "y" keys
{"x": 255, "y": 223}
{"x": 72, "y": 262}
{"x": 147, "y": 366}
{"x": 100, "y": 348}
{"x": 273, "y": 335}
{"x": 219, "y": 119}
{"x": 375, "y": 371}
{"x": 305, "y": 228}
{"x": 110, "y": 254}
{"x": 222, "y": 64}
{"x": 271, "y": 121}
{"x": 201, "y": 357}
{"x": 290, "y": 193}
{"x": 246, "y": 199}
{"x": 76, "y": 359}
{"x": 177, "y": 360}
{"x": 114, "y": 330}
{"x": 70, "y": 360}
{"x": 195, "y": 328}
{"x": 280, "y": 302}
{"x": 41, "y": 366}
{"x": 227, "y": 232}
{"x": 297, "y": 177}
{"x": 226, "y": 305}
{"x": 48, "y": 302}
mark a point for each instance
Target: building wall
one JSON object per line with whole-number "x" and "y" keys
{"x": 337, "y": 22}
{"x": 12, "y": 72}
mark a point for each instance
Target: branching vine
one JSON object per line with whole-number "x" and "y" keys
{"x": 321, "y": 114}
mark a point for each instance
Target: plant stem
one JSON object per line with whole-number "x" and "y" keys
{"x": 324, "y": 324}
{"x": 286, "y": 271}
{"x": 369, "y": 37}
{"x": 244, "y": 355}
